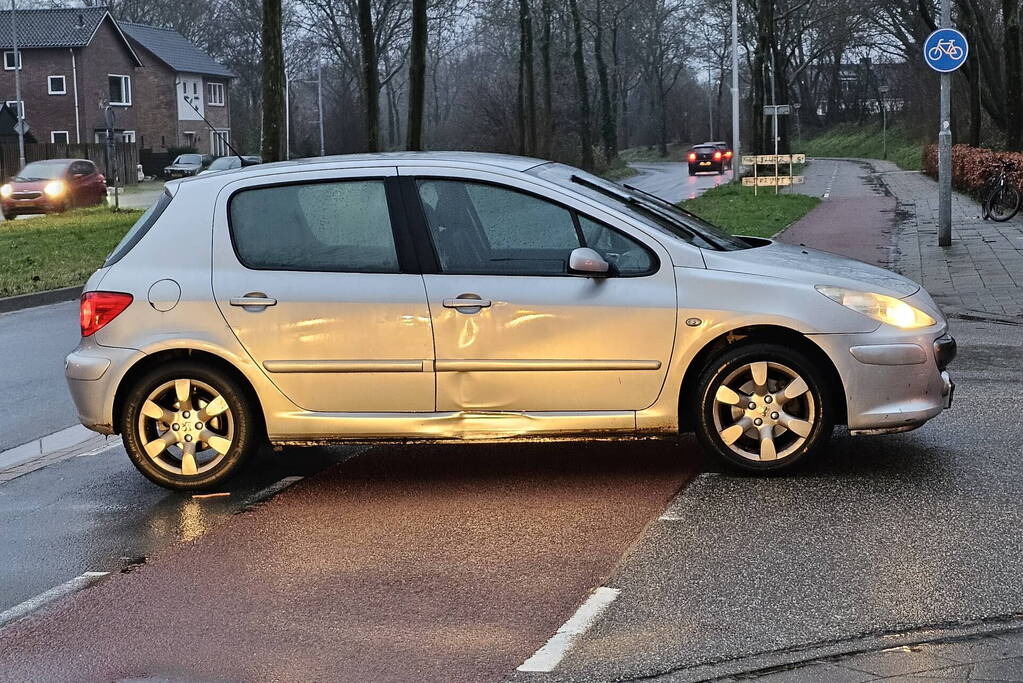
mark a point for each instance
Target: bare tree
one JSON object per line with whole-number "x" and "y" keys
{"x": 417, "y": 75}
{"x": 273, "y": 82}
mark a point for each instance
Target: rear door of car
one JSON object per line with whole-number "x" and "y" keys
{"x": 311, "y": 274}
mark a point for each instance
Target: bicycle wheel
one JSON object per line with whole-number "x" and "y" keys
{"x": 1004, "y": 203}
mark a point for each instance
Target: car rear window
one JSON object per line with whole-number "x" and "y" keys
{"x": 704, "y": 150}
{"x": 341, "y": 227}
{"x": 139, "y": 229}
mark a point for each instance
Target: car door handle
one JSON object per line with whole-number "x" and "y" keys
{"x": 254, "y": 300}
{"x": 465, "y": 302}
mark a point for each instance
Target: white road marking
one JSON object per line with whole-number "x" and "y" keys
{"x": 551, "y": 654}
{"x": 67, "y": 588}
{"x": 834, "y": 174}
{"x": 272, "y": 490}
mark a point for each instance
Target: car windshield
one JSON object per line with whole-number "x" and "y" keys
{"x": 43, "y": 170}
{"x": 188, "y": 159}
{"x": 224, "y": 163}
{"x": 652, "y": 211}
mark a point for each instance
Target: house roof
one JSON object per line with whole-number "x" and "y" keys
{"x": 174, "y": 50}
{"x": 58, "y": 27}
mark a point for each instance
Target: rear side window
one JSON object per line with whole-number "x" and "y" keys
{"x": 139, "y": 229}
{"x": 341, "y": 227}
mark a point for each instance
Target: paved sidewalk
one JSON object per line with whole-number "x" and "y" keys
{"x": 985, "y": 658}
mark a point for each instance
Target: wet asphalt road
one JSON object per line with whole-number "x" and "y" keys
{"x": 34, "y": 399}
{"x": 671, "y": 181}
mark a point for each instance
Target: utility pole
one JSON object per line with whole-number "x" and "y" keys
{"x": 710, "y": 105}
{"x": 287, "y": 117}
{"x": 945, "y": 147}
{"x": 17, "y": 87}
{"x": 883, "y": 92}
{"x": 736, "y": 158}
{"x": 319, "y": 100}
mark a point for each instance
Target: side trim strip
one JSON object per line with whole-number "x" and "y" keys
{"x": 291, "y": 366}
{"x": 543, "y": 364}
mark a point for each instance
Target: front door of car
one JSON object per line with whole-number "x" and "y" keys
{"x": 540, "y": 339}
{"x": 307, "y": 273}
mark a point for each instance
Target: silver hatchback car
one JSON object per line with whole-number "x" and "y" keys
{"x": 458, "y": 296}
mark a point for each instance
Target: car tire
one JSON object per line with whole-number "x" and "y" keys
{"x": 205, "y": 413}
{"x": 792, "y": 413}
{"x": 9, "y": 215}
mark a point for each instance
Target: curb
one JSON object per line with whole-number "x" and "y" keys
{"x": 50, "y": 296}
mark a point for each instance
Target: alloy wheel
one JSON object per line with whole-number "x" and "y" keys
{"x": 764, "y": 411}
{"x": 186, "y": 427}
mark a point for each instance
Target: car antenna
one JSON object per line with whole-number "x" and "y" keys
{"x": 241, "y": 162}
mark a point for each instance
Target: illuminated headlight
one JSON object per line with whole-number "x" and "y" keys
{"x": 54, "y": 188}
{"x": 6, "y": 191}
{"x": 887, "y": 309}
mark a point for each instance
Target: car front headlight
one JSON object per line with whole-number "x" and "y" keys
{"x": 54, "y": 188}
{"x": 886, "y": 309}
{"x": 6, "y": 190}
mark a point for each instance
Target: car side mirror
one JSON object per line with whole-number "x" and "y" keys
{"x": 588, "y": 262}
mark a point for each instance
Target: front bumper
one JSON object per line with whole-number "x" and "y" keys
{"x": 894, "y": 380}
{"x": 93, "y": 373}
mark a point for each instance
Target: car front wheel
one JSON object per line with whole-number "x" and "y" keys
{"x": 188, "y": 427}
{"x": 763, "y": 407}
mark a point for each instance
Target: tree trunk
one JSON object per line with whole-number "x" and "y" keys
{"x": 585, "y": 134}
{"x": 760, "y": 76}
{"x": 369, "y": 79}
{"x": 607, "y": 123}
{"x": 527, "y": 87}
{"x": 273, "y": 82}
{"x": 417, "y": 76}
{"x": 1013, "y": 49}
{"x": 548, "y": 86}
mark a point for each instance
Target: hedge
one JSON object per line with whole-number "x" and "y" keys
{"x": 973, "y": 167}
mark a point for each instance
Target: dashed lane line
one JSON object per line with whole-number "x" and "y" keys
{"x": 551, "y": 654}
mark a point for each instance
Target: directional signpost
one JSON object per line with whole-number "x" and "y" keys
{"x": 757, "y": 181}
{"x": 945, "y": 50}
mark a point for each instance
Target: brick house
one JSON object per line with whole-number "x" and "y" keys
{"x": 74, "y": 62}
{"x": 179, "y": 84}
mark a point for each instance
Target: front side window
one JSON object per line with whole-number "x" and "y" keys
{"x": 56, "y": 85}
{"x": 339, "y": 226}
{"x": 628, "y": 256}
{"x": 120, "y": 90}
{"x": 490, "y": 230}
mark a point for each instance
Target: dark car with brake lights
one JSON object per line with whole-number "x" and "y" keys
{"x": 709, "y": 157}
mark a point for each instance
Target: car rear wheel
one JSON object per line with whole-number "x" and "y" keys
{"x": 763, "y": 407}
{"x": 187, "y": 426}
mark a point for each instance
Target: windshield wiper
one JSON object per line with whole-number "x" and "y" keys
{"x": 640, "y": 205}
{"x": 665, "y": 202}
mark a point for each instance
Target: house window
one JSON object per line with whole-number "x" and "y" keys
{"x": 20, "y": 111}
{"x": 215, "y": 94}
{"x": 9, "y": 59}
{"x": 60, "y": 137}
{"x": 191, "y": 139}
{"x": 56, "y": 85}
{"x": 120, "y": 90}
{"x": 127, "y": 136}
{"x": 218, "y": 142}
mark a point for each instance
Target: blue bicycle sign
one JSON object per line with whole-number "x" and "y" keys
{"x": 945, "y": 50}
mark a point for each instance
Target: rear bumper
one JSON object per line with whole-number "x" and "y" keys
{"x": 93, "y": 373}
{"x": 893, "y": 381}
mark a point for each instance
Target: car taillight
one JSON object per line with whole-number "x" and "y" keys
{"x": 98, "y": 308}
{"x": 728, "y": 154}
{"x": 717, "y": 156}
{"x": 692, "y": 156}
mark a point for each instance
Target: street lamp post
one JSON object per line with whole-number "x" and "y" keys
{"x": 17, "y": 86}
{"x": 945, "y": 147}
{"x": 735, "y": 89}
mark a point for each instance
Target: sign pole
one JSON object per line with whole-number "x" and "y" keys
{"x": 17, "y": 87}
{"x": 945, "y": 147}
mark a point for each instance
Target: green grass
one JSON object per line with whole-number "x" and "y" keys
{"x": 736, "y": 209}
{"x": 618, "y": 170}
{"x": 59, "y": 250}
{"x": 676, "y": 152}
{"x": 865, "y": 142}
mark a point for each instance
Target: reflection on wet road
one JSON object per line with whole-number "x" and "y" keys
{"x": 671, "y": 181}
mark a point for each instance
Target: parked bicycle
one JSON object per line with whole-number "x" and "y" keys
{"x": 1003, "y": 198}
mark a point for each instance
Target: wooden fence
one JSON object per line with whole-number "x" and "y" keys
{"x": 123, "y": 161}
